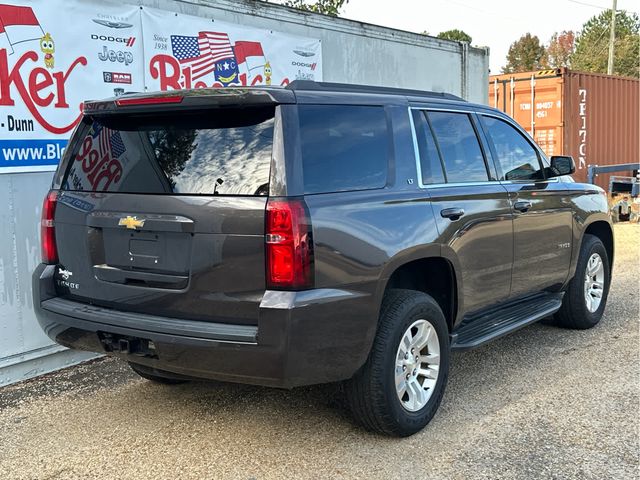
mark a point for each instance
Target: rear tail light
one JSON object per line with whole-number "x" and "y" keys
{"x": 47, "y": 229}
{"x": 289, "y": 245}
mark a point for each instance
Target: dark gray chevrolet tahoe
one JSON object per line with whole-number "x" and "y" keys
{"x": 314, "y": 233}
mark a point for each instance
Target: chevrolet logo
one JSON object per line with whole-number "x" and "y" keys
{"x": 131, "y": 222}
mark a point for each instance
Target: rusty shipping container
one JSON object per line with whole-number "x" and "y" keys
{"x": 592, "y": 117}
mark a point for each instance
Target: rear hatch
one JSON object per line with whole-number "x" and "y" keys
{"x": 164, "y": 212}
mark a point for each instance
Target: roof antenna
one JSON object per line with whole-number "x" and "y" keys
{"x": 215, "y": 188}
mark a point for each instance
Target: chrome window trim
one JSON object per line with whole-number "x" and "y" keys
{"x": 500, "y": 116}
{"x": 462, "y": 109}
{"x": 416, "y": 152}
{"x": 464, "y": 184}
{"x": 440, "y": 109}
{"x": 523, "y": 182}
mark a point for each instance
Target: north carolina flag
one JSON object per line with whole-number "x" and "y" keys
{"x": 18, "y": 24}
{"x": 251, "y": 54}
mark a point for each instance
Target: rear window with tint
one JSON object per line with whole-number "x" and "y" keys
{"x": 223, "y": 151}
{"x": 343, "y": 147}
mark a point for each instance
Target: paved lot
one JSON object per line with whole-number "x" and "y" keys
{"x": 542, "y": 403}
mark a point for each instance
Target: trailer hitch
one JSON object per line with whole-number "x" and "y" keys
{"x": 127, "y": 345}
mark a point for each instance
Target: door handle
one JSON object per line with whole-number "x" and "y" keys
{"x": 452, "y": 213}
{"x": 523, "y": 205}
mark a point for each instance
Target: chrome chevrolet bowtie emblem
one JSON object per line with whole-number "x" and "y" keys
{"x": 131, "y": 222}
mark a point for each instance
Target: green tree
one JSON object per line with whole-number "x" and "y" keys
{"x": 455, "y": 34}
{"x": 327, "y": 7}
{"x": 525, "y": 54}
{"x": 173, "y": 148}
{"x": 592, "y": 45}
{"x": 561, "y": 47}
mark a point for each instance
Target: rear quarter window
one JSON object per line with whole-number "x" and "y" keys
{"x": 343, "y": 147}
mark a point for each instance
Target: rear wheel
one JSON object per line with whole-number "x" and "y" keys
{"x": 399, "y": 389}
{"x": 155, "y": 375}
{"x": 586, "y": 296}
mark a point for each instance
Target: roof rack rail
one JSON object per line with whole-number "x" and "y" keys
{"x": 354, "y": 88}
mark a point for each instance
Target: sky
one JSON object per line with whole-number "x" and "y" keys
{"x": 492, "y": 23}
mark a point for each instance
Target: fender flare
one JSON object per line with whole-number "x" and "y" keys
{"x": 579, "y": 233}
{"x": 423, "y": 252}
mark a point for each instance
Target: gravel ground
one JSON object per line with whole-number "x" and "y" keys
{"x": 542, "y": 403}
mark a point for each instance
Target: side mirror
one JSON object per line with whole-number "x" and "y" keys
{"x": 562, "y": 165}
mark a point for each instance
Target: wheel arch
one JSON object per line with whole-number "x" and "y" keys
{"x": 603, "y": 230}
{"x": 429, "y": 272}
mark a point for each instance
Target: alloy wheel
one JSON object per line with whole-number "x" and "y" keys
{"x": 417, "y": 365}
{"x": 594, "y": 279}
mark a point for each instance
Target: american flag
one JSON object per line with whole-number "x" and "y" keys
{"x": 202, "y": 52}
{"x": 109, "y": 142}
{"x": 117, "y": 145}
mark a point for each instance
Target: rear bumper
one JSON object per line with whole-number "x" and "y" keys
{"x": 302, "y": 338}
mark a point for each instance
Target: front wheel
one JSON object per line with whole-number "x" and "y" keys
{"x": 586, "y": 295}
{"x": 399, "y": 389}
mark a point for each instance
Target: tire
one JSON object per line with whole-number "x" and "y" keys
{"x": 157, "y": 376}
{"x": 372, "y": 395}
{"x": 575, "y": 312}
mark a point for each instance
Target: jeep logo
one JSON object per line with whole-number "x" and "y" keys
{"x": 129, "y": 41}
{"x": 115, "y": 56}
